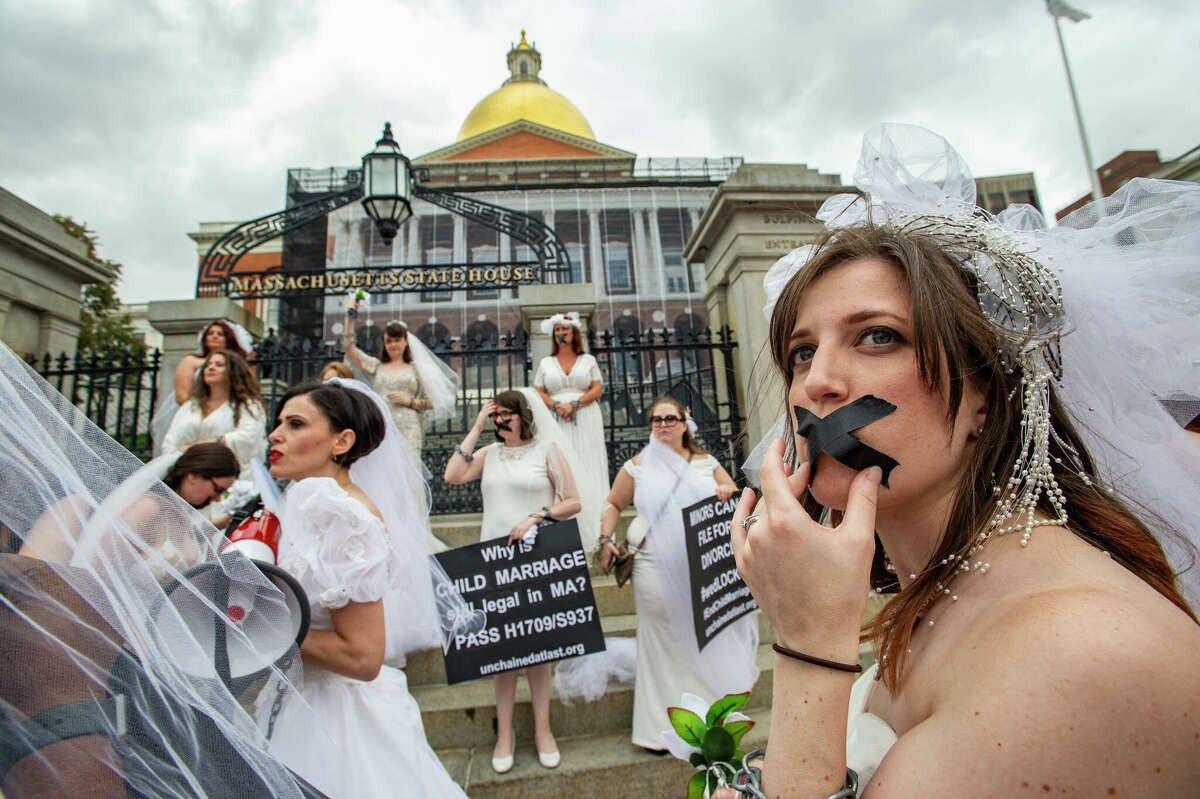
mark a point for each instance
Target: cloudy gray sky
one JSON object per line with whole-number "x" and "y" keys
{"x": 144, "y": 117}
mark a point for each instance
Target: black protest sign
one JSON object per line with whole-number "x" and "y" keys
{"x": 538, "y": 599}
{"x": 719, "y": 597}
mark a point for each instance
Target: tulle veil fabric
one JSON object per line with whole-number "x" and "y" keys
{"x": 666, "y": 485}
{"x": 108, "y": 614}
{"x": 422, "y": 609}
{"x": 1128, "y": 266}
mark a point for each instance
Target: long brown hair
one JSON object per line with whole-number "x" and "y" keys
{"x": 514, "y": 401}
{"x": 207, "y": 459}
{"x": 394, "y": 330}
{"x": 231, "y": 339}
{"x": 689, "y": 443}
{"x": 576, "y": 339}
{"x": 243, "y": 387}
{"x": 954, "y": 344}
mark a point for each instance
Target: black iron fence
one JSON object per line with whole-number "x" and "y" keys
{"x": 692, "y": 366}
{"x": 485, "y": 367}
{"x": 117, "y": 390}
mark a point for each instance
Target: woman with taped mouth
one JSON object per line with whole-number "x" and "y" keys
{"x": 526, "y": 478}
{"x": 569, "y": 383}
{"x": 351, "y": 526}
{"x": 671, "y": 473}
{"x": 977, "y": 404}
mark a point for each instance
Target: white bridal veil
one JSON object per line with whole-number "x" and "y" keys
{"x": 124, "y": 639}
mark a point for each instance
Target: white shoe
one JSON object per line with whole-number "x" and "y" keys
{"x": 503, "y": 765}
{"x": 549, "y": 759}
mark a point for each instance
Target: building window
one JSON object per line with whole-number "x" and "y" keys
{"x": 433, "y": 256}
{"x": 572, "y": 228}
{"x": 673, "y": 229}
{"x": 485, "y": 254}
{"x": 616, "y": 233}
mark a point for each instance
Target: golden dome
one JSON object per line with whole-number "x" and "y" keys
{"x": 527, "y": 100}
{"x": 525, "y": 96}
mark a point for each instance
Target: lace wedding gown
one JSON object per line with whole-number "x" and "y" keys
{"x": 339, "y": 552}
{"x": 585, "y": 437}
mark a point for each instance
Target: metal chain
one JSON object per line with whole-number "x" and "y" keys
{"x": 748, "y": 780}
{"x": 280, "y": 690}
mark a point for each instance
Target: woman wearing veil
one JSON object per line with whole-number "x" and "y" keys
{"x": 668, "y": 475}
{"x": 413, "y": 380}
{"x": 526, "y": 478}
{"x": 111, "y": 681}
{"x": 353, "y": 535}
{"x": 1009, "y": 452}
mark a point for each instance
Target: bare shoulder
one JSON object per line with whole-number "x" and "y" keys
{"x": 1089, "y": 690}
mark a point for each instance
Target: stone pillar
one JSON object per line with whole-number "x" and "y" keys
{"x": 178, "y": 321}
{"x": 641, "y": 263}
{"x": 759, "y": 214}
{"x": 57, "y": 334}
{"x": 541, "y": 301}
{"x": 459, "y": 251}
{"x": 596, "y": 248}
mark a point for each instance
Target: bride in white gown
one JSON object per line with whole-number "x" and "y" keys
{"x": 354, "y": 540}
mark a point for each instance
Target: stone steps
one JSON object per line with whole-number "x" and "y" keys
{"x": 604, "y": 766}
{"x": 464, "y": 715}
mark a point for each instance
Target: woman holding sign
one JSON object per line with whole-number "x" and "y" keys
{"x": 671, "y": 473}
{"x": 526, "y": 479}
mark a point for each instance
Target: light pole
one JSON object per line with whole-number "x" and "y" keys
{"x": 1057, "y": 9}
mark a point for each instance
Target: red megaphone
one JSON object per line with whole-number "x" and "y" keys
{"x": 257, "y": 537}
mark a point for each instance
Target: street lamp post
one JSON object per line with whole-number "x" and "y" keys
{"x": 387, "y": 185}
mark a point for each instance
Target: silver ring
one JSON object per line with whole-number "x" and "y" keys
{"x": 749, "y": 520}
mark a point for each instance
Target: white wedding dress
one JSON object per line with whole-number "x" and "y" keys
{"x": 585, "y": 437}
{"x": 339, "y": 551}
{"x": 868, "y": 737}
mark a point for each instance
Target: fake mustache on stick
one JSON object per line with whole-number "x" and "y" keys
{"x": 562, "y": 338}
{"x": 831, "y": 434}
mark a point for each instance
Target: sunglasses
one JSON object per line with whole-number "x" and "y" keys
{"x": 665, "y": 421}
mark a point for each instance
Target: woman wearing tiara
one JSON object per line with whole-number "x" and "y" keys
{"x": 569, "y": 383}
{"x": 351, "y": 527}
{"x": 976, "y": 395}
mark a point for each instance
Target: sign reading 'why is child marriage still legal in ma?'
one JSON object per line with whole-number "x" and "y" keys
{"x": 538, "y": 599}
{"x": 719, "y": 597}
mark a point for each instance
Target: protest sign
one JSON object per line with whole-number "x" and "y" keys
{"x": 538, "y": 599}
{"x": 719, "y": 597}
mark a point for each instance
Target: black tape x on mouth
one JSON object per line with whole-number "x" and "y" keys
{"x": 831, "y": 435}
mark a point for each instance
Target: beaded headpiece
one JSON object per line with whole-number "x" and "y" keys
{"x": 1126, "y": 268}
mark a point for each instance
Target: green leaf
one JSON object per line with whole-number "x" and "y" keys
{"x": 718, "y": 745}
{"x": 737, "y": 729}
{"x": 697, "y": 760}
{"x": 697, "y": 783}
{"x": 687, "y": 724}
{"x": 739, "y": 759}
{"x": 724, "y": 706}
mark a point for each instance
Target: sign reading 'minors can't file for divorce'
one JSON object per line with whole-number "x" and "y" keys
{"x": 719, "y": 597}
{"x": 538, "y": 599}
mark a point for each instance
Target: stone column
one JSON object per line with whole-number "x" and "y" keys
{"x": 737, "y": 241}
{"x": 596, "y": 248}
{"x": 641, "y": 263}
{"x": 178, "y": 321}
{"x": 57, "y": 334}
{"x": 541, "y": 301}
{"x": 459, "y": 252}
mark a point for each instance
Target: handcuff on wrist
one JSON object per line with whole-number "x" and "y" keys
{"x": 468, "y": 457}
{"x": 748, "y": 780}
